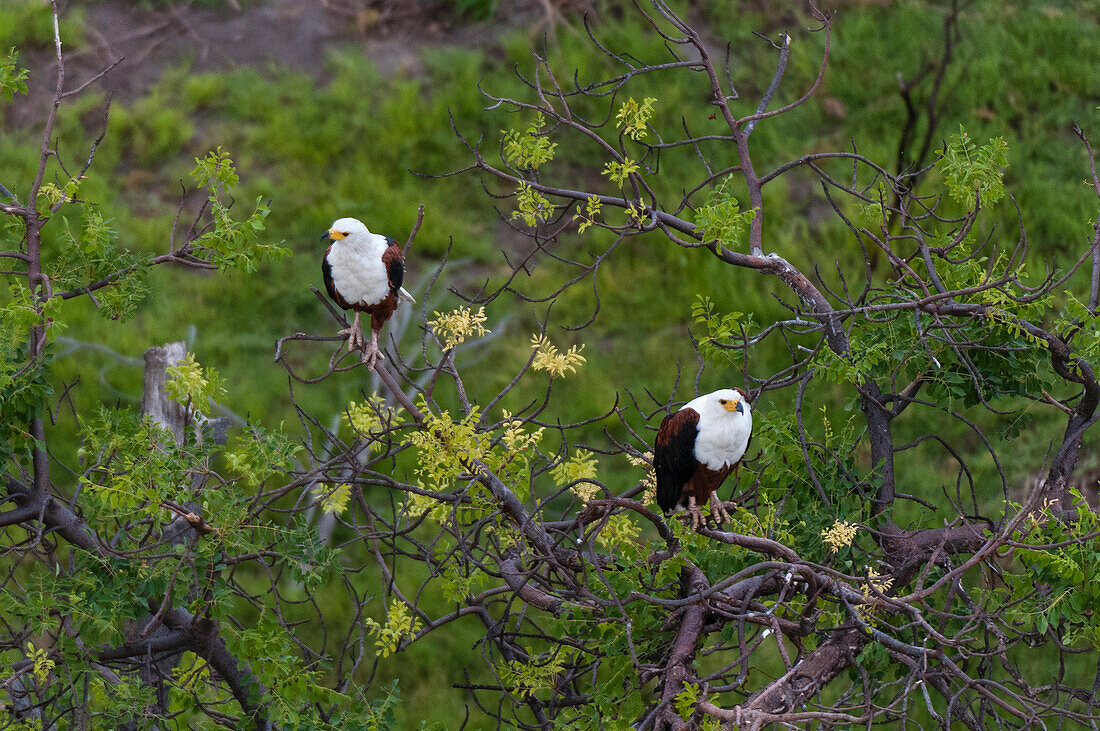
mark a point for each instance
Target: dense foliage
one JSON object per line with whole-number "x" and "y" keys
{"x": 909, "y": 530}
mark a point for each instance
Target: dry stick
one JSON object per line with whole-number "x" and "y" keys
{"x": 415, "y": 229}
{"x": 784, "y": 53}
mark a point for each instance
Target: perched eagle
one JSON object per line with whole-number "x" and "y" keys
{"x": 698, "y": 447}
{"x": 363, "y": 272}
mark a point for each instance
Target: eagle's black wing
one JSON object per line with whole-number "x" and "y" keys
{"x": 395, "y": 265}
{"x": 674, "y": 456}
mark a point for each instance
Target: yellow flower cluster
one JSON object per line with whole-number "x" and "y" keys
{"x": 367, "y": 417}
{"x": 649, "y": 484}
{"x": 880, "y": 583}
{"x": 585, "y": 491}
{"x": 839, "y": 535}
{"x": 620, "y": 529}
{"x": 333, "y": 499}
{"x": 400, "y": 623}
{"x": 516, "y": 438}
{"x": 581, "y": 467}
{"x": 550, "y": 360}
{"x": 876, "y": 584}
{"x": 456, "y": 326}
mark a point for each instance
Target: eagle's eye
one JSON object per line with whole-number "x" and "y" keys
{"x": 345, "y": 233}
{"x": 722, "y": 401}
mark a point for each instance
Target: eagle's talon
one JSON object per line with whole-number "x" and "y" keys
{"x": 354, "y": 334}
{"x": 719, "y": 512}
{"x": 696, "y": 514}
{"x": 371, "y": 355}
{"x": 371, "y": 352}
{"x": 354, "y": 338}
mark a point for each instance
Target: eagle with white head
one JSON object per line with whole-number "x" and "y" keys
{"x": 698, "y": 447}
{"x": 363, "y": 272}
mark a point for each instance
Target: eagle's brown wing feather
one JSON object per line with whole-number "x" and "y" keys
{"x": 674, "y": 456}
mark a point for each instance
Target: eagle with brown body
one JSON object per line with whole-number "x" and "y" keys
{"x": 698, "y": 447}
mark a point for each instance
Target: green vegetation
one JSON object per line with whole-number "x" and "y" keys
{"x": 308, "y": 149}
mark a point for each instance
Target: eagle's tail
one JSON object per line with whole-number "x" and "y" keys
{"x": 402, "y": 293}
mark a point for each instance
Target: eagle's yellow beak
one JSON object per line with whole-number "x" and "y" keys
{"x": 336, "y": 235}
{"x": 732, "y": 405}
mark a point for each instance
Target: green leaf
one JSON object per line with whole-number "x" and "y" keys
{"x": 721, "y": 218}
{"x": 620, "y": 171}
{"x": 13, "y": 78}
{"x": 531, "y": 207}
{"x": 685, "y": 701}
{"x": 971, "y": 170}
{"x": 215, "y": 168}
{"x": 633, "y": 117}
{"x": 530, "y": 149}
{"x": 192, "y": 386}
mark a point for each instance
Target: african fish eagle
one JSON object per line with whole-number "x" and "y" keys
{"x": 363, "y": 272}
{"x": 698, "y": 447}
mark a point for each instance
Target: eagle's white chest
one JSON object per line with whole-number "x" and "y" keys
{"x": 358, "y": 273}
{"x": 722, "y": 438}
